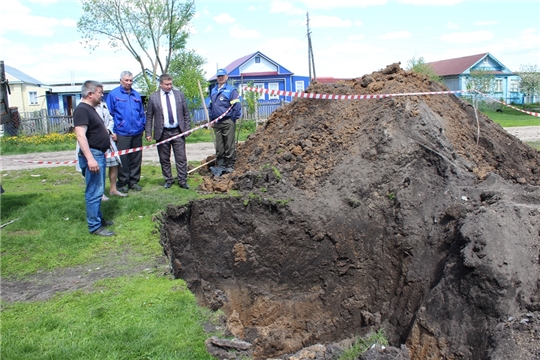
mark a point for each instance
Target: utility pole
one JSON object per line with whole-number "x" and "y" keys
{"x": 311, "y": 60}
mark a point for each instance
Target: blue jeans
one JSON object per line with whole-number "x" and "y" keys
{"x": 95, "y": 183}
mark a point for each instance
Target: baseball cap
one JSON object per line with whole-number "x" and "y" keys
{"x": 221, "y": 72}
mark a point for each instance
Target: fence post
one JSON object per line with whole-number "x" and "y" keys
{"x": 45, "y": 121}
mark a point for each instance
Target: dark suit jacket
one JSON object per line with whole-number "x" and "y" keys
{"x": 155, "y": 117}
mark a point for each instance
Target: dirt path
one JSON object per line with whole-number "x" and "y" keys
{"x": 195, "y": 152}
{"x": 525, "y": 133}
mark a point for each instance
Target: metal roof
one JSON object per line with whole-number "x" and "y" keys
{"x": 456, "y": 66}
{"x": 22, "y": 76}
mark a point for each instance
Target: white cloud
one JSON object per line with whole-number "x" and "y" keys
{"x": 279, "y": 6}
{"x": 18, "y": 18}
{"x": 44, "y": 2}
{"x": 208, "y": 29}
{"x": 238, "y": 32}
{"x": 395, "y": 35}
{"x": 72, "y": 23}
{"x": 325, "y": 22}
{"x": 329, "y": 22}
{"x": 467, "y": 37}
{"x": 485, "y": 23}
{"x": 325, "y": 4}
{"x": 356, "y": 37}
{"x": 431, "y": 2}
{"x": 224, "y": 19}
{"x": 252, "y": 8}
{"x": 358, "y": 23}
{"x": 452, "y": 25}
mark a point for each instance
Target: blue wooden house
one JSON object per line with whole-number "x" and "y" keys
{"x": 264, "y": 73}
{"x": 456, "y": 73}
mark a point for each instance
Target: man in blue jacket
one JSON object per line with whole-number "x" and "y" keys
{"x": 126, "y": 107}
{"x": 222, "y": 97}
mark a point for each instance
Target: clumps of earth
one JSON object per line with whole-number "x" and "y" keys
{"x": 416, "y": 215}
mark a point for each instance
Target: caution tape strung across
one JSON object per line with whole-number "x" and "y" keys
{"x": 510, "y": 106}
{"x": 282, "y": 93}
{"x": 345, "y": 97}
{"x": 128, "y": 151}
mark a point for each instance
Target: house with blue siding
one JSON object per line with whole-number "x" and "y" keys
{"x": 264, "y": 73}
{"x": 456, "y": 74}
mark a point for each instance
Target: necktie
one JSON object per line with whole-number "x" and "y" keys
{"x": 169, "y": 109}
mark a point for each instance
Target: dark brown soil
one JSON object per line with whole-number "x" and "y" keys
{"x": 368, "y": 214}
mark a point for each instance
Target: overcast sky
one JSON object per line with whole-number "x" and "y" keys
{"x": 350, "y": 37}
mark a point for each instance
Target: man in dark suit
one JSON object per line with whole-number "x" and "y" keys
{"x": 167, "y": 115}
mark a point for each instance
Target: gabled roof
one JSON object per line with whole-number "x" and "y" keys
{"x": 456, "y": 66}
{"x": 22, "y": 77}
{"x": 236, "y": 64}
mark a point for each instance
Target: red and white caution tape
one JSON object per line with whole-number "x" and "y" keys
{"x": 344, "y": 97}
{"x": 128, "y": 151}
{"x": 510, "y": 106}
{"x": 186, "y": 133}
{"x": 43, "y": 162}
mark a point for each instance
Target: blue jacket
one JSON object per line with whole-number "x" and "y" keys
{"x": 127, "y": 111}
{"x": 221, "y": 100}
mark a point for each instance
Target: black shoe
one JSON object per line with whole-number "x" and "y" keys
{"x": 122, "y": 189}
{"x": 102, "y": 232}
{"x": 107, "y": 222}
{"x": 184, "y": 185}
{"x": 168, "y": 185}
{"x": 135, "y": 187}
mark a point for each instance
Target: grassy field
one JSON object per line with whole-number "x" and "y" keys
{"x": 511, "y": 118}
{"x": 144, "y": 315}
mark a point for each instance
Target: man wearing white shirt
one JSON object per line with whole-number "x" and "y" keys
{"x": 167, "y": 115}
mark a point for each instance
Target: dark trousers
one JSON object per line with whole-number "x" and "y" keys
{"x": 130, "y": 171}
{"x": 225, "y": 143}
{"x": 178, "y": 146}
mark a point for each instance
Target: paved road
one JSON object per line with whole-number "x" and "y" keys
{"x": 195, "y": 152}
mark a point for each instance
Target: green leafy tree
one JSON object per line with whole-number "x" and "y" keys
{"x": 251, "y": 99}
{"x": 482, "y": 80}
{"x": 186, "y": 70}
{"x": 421, "y": 67}
{"x": 529, "y": 82}
{"x": 153, "y": 31}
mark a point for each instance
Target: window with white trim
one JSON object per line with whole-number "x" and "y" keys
{"x": 299, "y": 86}
{"x": 32, "y": 96}
{"x": 514, "y": 86}
{"x": 273, "y": 86}
{"x": 260, "y": 86}
{"x": 498, "y": 85}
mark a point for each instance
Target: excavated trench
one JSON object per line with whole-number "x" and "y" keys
{"x": 364, "y": 215}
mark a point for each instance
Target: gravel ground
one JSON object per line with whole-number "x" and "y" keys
{"x": 195, "y": 152}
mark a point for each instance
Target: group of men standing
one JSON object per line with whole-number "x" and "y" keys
{"x": 166, "y": 116}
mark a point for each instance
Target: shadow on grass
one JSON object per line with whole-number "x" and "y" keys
{"x": 11, "y": 203}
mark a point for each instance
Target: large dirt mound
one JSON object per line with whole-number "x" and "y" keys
{"x": 367, "y": 214}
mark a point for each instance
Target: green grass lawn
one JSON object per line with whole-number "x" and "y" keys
{"x": 511, "y": 118}
{"x": 145, "y": 315}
